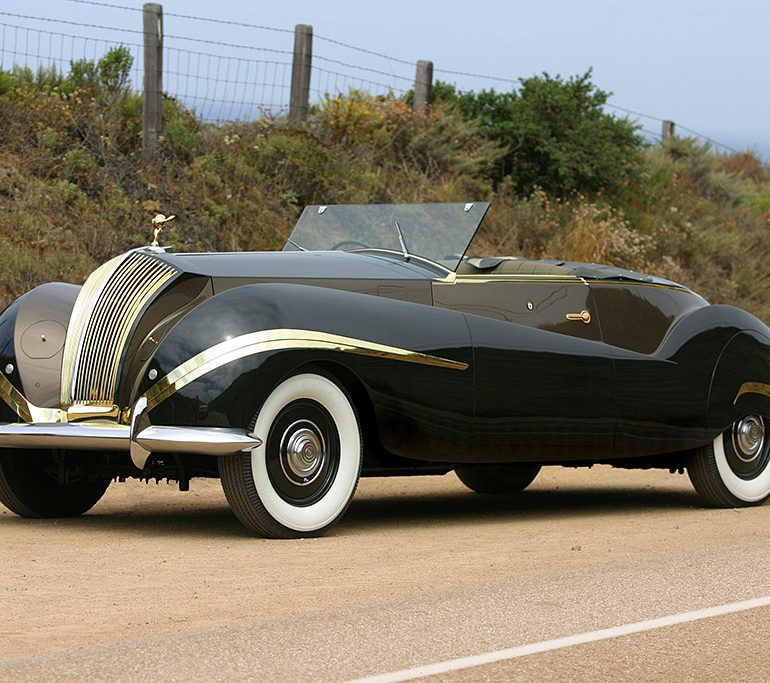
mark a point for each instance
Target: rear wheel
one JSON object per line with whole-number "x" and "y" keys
{"x": 502, "y": 478}
{"x": 38, "y": 483}
{"x": 733, "y": 470}
{"x": 300, "y": 481}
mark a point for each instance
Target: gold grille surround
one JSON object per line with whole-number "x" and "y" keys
{"x": 104, "y": 315}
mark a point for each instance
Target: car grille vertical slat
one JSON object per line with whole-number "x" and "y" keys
{"x": 104, "y": 314}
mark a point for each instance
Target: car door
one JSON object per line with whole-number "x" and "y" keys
{"x": 544, "y": 380}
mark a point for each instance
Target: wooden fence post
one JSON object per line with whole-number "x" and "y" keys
{"x": 423, "y": 84}
{"x": 299, "y": 101}
{"x": 668, "y": 130}
{"x": 152, "y": 101}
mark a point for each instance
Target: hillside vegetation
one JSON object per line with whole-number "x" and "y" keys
{"x": 566, "y": 179}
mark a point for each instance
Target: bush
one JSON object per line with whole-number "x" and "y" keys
{"x": 557, "y": 135}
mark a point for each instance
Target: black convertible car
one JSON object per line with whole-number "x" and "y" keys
{"x": 371, "y": 346}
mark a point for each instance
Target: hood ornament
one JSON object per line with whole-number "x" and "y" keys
{"x": 157, "y": 224}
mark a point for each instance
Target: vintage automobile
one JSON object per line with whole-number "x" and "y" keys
{"x": 371, "y": 345}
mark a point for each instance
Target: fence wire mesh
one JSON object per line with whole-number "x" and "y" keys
{"x": 225, "y": 81}
{"x": 41, "y": 50}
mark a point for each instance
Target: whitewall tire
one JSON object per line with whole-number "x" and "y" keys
{"x": 734, "y": 470}
{"x": 300, "y": 481}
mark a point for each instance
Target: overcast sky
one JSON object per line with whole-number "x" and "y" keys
{"x": 703, "y": 64}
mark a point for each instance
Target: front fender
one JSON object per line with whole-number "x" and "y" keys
{"x": 221, "y": 360}
{"x": 32, "y": 332}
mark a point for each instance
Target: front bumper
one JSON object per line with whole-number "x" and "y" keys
{"x": 100, "y": 428}
{"x": 140, "y": 438}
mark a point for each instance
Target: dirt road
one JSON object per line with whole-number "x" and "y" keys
{"x": 156, "y": 584}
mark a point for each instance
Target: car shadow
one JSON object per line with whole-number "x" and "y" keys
{"x": 194, "y": 521}
{"x": 469, "y": 507}
{"x": 401, "y": 510}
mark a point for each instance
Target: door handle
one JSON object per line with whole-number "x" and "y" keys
{"x": 584, "y": 316}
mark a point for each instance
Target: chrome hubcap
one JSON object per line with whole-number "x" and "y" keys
{"x": 303, "y": 452}
{"x": 749, "y": 437}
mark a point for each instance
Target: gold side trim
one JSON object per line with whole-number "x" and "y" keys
{"x": 752, "y": 388}
{"x": 28, "y": 412}
{"x": 278, "y": 340}
{"x": 632, "y": 283}
{"x": 508, "y": 277}
{"x": 515, "y": 276}
{"x": 24, "y": 409}
{"x": 486, "y": 278}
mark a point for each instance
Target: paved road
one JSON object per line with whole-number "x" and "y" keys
{"x": 157, "y": 584}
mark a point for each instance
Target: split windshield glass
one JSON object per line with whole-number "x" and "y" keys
{"x": 437, "y": 232}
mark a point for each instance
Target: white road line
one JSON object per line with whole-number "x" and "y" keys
{"x": 566, "y": 641}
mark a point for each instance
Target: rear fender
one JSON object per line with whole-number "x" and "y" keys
{"x": 741, "y": 380}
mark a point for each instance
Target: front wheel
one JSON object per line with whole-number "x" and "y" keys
{"x": 38, "y": 483}
{"x": 503, "y": 478}
{"x": 300, "y": 481}
{"x": 733, "y": 471}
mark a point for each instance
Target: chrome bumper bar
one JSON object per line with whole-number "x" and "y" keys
{"x": 75, "y": 436}
{"x": 115, "y": 437}
{"x": 97, "y": 428}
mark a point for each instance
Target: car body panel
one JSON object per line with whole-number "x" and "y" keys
{"x": 495, "y": 359}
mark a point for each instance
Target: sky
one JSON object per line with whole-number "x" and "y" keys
{"x": 702, "y": 64}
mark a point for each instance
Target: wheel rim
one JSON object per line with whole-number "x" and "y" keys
{"x": 746, "y": 450}
{"x": 302, "y": 452}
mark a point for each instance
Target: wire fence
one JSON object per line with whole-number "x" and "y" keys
{"x": 41, "y": 50}
{"x": 226, "y": 81}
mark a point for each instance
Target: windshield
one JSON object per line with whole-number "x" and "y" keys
{"x": 438, "y": 232}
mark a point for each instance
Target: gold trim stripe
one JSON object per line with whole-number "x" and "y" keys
{"x": 26, "y": 410}
{"x": 752, "y": 388}
{"x": 542, "y": 278}
{"x": 278, "y": 340}
{"x": 30, "y": 413}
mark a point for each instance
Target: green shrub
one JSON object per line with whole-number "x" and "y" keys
{"x": 557, "y": 135}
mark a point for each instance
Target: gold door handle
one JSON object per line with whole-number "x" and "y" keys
{"x": 584, "y": 315}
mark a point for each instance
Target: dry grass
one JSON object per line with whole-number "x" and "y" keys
{"x": 74, "y": 191}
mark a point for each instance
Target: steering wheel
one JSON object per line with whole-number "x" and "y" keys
{"x": 349, "y": 243}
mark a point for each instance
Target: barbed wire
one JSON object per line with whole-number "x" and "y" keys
{"x": 184, "y": 16}
{"x": 472, "y": 75}
{"x": 106, "y": 4}
{"x": 635, "y": 113}
{"x": 652, "y": 133}
{"x": 137, "y": 31}
{"x": 362, "y": 68}
{"x": 707, "y": 138}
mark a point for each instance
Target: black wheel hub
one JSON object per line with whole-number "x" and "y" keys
{"x": 747, "y": 447}
{"x": 302, "y": 452}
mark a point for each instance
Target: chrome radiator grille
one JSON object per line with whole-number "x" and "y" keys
{"x": 104, "y": 313}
